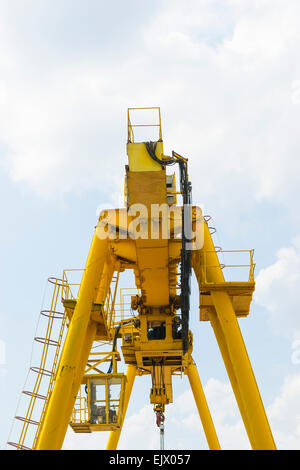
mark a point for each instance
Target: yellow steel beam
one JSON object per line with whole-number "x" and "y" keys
{"x": 58, "y": 406}
{"x": 232, "y": 377}
{"x": 234, "y": 352}
{"x": 86, "y": 348}
{"x": 204, "y": 413}
{"x": 114, "y": 436}
{"x": 256, "y": 420}
{"x": 106, "y": 279}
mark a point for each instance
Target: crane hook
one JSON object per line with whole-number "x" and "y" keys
{"x": 160, "y": 419}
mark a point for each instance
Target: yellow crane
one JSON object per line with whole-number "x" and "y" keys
{"x": 161, "y": 242}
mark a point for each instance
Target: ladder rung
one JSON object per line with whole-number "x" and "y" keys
{"x": 47, "y": 341}
{"x": 35, "y": 395}
{"x": 39, "y": 370}
{"x": 52, "y": 314}
{"x": 26, "y": 420}
{"x": 18, "y": 446}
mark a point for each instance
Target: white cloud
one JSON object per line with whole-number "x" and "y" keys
{"x": 224, "y": 75}
{"x": 277, "y": 288}
{"x": 184, "y": 429}
{"x": 139, "y": 431}
{"x": 77, "y": 441}
{"x": 284, "y": 414}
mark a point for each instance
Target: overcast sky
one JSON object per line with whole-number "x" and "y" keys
{"x": 226, "y": 74}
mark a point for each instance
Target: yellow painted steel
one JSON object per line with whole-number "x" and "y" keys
{"x": 51, "y": 318}
{"x": 245, "y": 385}
{"x": 84, "y": 355}
{"x": 146, "y": 321}
{"x": 202, "y": 406}
{"x": 232, "y": 377}
{"x": 114, "y": 436}
{"x": 102, "y": 411}
{"x": 63, "y": 394}
{"x": 243, "y": 371}
{"x": 131, "y": 126}
{"x": 138, "y": 157}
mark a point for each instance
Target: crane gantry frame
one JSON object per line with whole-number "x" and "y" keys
{"x": 153, "y": 237}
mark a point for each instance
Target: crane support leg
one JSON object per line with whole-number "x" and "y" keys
{"x": 64, "y": 394}
{"x": 204, "y": 413}
{"x": 256, "y": 420}
{"x": 88, "y": 342}
{"x": 114, "y": 436}
{"x": 232, "y": 347}
{"x": 231, "y": 374}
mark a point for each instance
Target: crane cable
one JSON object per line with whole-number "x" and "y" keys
{"x": 186, "y": 271}
{"x": 160, "y": 420}
{"x": 117, "y": 330}
{"x": 157, "y": 375}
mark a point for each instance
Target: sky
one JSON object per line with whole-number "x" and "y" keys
{"x": 226, "y": 75}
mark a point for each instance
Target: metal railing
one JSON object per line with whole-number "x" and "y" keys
{"x": 205, "y": 266}
{"x": 131, "y": 126}
{"x": 80, "y": 410}
{"x": 70, "y": 291}
{"x": 44, "y": 372}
